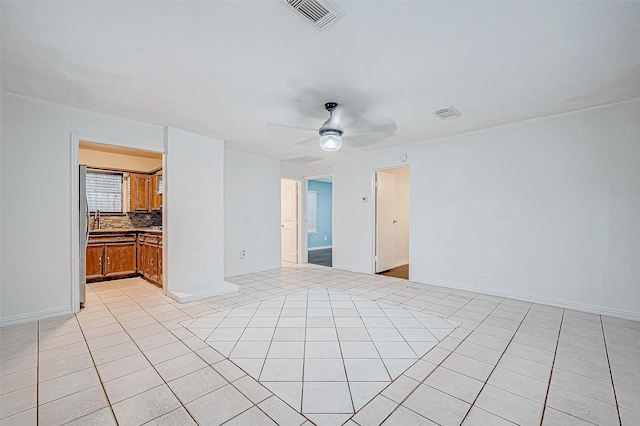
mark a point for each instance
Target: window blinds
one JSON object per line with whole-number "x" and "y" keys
{"x": 104, "y": 191}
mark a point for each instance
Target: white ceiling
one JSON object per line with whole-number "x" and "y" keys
{"x": 226, "y": 69}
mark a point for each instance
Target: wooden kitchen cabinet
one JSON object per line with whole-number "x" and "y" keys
{"x": 150, "y": 257}
{"x": 154, "y": 195}
{"x": 120, "y": 259}
{"x": 160, "y": 262}
{"x": 139, "y": 192}
{"x": 95, "y": 254}
{"x": 145, "y": 188}
{"x": 111, "y": 256}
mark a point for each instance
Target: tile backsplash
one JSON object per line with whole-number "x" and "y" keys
{"x": 128, "y": 220}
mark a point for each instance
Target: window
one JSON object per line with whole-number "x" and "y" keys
{"x": 312, "y": 211}
{"x": 104, "y": 191}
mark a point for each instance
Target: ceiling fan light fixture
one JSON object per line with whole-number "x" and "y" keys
{"x": 330, "y": 142}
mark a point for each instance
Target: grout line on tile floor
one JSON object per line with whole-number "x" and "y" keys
{"x": 606, "y": 351}
{"x": 38, "y": 372}
{"x": 150, "y": 363}
{"x": 553, "y": 363}
{"x": 95, "y": 366}
{"x": 496, "y": 364}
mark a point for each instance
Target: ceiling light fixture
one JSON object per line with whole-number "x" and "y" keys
{"x": 330, "y": 142}
{"x": 331, "y": 131}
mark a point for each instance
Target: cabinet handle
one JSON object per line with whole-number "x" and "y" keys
{"x": 151, "y": 262}
{"x": 108, "y": 261}
{"x": 100, "y": 259}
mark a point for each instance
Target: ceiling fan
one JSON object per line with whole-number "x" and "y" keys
{"x": 356, "y": 128}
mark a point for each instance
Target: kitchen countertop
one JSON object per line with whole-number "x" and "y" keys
{"x": 122, "y": 231}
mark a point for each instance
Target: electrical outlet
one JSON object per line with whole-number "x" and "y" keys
{"x": 243, "y": 254}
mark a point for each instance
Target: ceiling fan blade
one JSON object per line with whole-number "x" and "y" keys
{"x": 307, "y": 141}
{"x": 387, "y": 129}
{"x": 287, "y": 126}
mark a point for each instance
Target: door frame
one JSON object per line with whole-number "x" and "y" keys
{"x": 298, "y": 218}
{"x": 305, "y": 235}
{"x": 74, "y": 146}
{"x": 374, "y": 221}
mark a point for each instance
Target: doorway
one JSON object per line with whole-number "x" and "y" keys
{"x": 320, "y": 221}
{"x": 289, "y": 208}
{"x": 116, "y": 220}
{"x": 392, "y": 212}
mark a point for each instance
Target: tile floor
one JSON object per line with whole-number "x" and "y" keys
{"x": 320, "y": 342}
{"x": 126, "y": 359}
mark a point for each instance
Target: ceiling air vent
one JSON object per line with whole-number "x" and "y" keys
{"x": 304, "y": 159}
{"x": 320, "y": 13}
{"x": 446, "y": 113}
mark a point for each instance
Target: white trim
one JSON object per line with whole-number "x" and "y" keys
{"x": 304, "y": 249}
{"x": 203, "y": 292}
{"x": 600, "y": 310}
{"x": 319, "y": 248}
{"x": 75, "y": 223}
{"x": 401, "y": 263}
{"x": 374, "y": 198}
{"x": 349, "y": 269}
{"x": 19, "y": 319}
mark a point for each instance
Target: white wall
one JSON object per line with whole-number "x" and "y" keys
{"x": 36, "y": 198}
{"x": 251, "y": 213}
{"x": 194, "y": 215}
{"x": 402, "y": 213}
{"x": 545, "y": 210}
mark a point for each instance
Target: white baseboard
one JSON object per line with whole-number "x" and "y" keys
{"x": 600, "y": 310}
{"x": 349, "y": 269}
{"x": 19, "y": 319}
{"x": 401, "y": 263}
{"x": 196, "y": 293}
{"x": 318, "y": 248}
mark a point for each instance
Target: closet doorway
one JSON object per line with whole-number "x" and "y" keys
{"x": 392, "y": 193}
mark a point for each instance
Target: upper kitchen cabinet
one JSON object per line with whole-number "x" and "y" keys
{"x": 139, "y": 192}
{"x": 156, "y": 191}
{"x": 146, "y": 192}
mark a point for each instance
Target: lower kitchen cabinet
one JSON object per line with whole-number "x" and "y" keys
{"x": 150, "y": 257}
{"x": 121, "y": 259}
{"x": 121, "y": 255}
{"x": 111, "y": 256}
{"x": 95, "y": 254}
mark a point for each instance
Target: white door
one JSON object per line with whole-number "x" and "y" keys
{"x": 385, "y": 221}
{"x": 289, "y": 214}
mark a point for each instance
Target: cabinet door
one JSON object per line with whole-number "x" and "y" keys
{"x": 95, "y": 253}
{"x": 120, "y": 259}
{"x": 160, "y": 266}
{"x": 140, "y": 256}
{"x": 156, "y": 199}
{"x": 153, "y": 260}
{"x": 139, "y": 192}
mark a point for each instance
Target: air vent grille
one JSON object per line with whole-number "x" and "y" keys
{"x": 320, "y": 13}
{"x": 304, "y": 159}
{"x": 446, "y": 113}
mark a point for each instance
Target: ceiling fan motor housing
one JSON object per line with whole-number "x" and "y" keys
{"x": 332, "y": 125}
